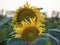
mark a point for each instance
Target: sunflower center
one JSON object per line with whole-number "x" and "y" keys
{"x": 24, "y": 14}
{"x": 29, "y": 34}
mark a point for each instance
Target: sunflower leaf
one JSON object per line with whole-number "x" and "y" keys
{"x": 5, "y": 21}
{"x": 45, "y": 39}
{"x": 16, "y": 41}
{"x": 55, "y": 33}
{"x": 5, "y": 30}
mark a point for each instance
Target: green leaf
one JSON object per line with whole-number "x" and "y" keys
{"x": 5, "y": 21}
{"x": 5, "y": 30}
{"x": 3, "y": 42}
{"x": 55, "y": 33}
{"x": 48, "y": 42}
{"x": 12, "y": 33}
{"x": 45, "y": 39}
{"x": 16, "y": 41}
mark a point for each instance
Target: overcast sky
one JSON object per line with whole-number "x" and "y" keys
{"x": 47, "y": 5}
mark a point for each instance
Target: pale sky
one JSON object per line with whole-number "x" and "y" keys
{"x": 47, "y": 5}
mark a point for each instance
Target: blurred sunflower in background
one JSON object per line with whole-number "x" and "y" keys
{"x": 25, "y": 12}
{"x": 29, "y": 30}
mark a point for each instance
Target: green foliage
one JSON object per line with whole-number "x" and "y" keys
{"x": 1, "y": 17}
{"x": 5, "y": 21}
{"x": 16, "y": 41}
{"x": 48, "y": 42}
{"x": 52, "y": 23}
{"x": 3, "y": 42}
{"x": 5, "y": 30}
{"x": 55, "y": 33}
{"x": 45, "y": 39}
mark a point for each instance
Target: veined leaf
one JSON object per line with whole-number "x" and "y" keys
{"x": 16, "y": 41}
{"x": 45, "y": 39}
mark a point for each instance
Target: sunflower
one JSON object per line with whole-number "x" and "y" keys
{"x": 29, "y": 30}
{"x": 25, "y": 12}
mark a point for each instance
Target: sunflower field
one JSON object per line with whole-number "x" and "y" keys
{"x": 29, "y": 27}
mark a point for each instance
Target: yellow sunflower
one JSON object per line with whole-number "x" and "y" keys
{"x": 25, "y": 12}
{"x": 29, "y": 30}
